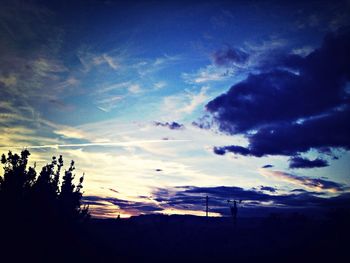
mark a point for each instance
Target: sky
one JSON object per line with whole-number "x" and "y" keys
{"x": 162, "y": 103}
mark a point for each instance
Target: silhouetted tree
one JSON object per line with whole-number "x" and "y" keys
{"x": 20, "y": 187}
{"x": 15, "y": 184}
{"x": 70, "y": 196}
{"x": 38, "y": 209}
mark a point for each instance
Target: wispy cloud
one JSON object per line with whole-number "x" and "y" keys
{"x": 270, "y": 44}
{"x": 303, "y": 51}
{"x": 8, "y": 81}
{"x": 111, "y": 61}
{"x": 108, "y": 103}
{"x": 209, "y": 73}
{"x": 159, "y": 85}
{"x": 106, "y": 98}
{"x": 165, "y": 59}
{"x": 148, "y": 67}
{"x": 126, "y": 75}
{"x": 113, "y": 87}
{"x": 314, "y": 184}
{"x": 33, "y": 73}
{"x": 89, "y": 60}
{"x": 181, "y": 105}
{"x": 135, "y": 88}
{"x": 70, "y": 132}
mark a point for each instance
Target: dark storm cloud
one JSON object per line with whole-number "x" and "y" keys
{"x": 299, "y": 162}
{"x": 225, "y": 192}
{"x": 171, "y": 125}
{"x": 229, "y": 57}
{"x": 322, "y": 133}
{"x": 192, "y": 197}
{"x": 298, "y": 104}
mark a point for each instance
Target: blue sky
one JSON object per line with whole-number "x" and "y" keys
{"x": 106, "y": 83}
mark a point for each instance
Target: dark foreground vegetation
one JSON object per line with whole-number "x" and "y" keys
{"x": 43, "y": 220}
{"x": 42, "y": 217}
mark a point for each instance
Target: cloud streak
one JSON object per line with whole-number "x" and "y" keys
{"x": 105, "y": 144}
{"x": 314, "y": 184}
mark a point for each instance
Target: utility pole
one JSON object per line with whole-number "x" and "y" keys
{"x": 234, "y": 209}
{"x": 207, "y": 206}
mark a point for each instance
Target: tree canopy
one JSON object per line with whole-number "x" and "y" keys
{"x": 44, "y": 209}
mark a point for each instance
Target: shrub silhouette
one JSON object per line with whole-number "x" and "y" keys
{"x": 39, "y": 210}
{"x": 21, "y": 189}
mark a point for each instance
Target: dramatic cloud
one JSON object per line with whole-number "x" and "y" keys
{"x": 229, "y": 57}
{"x": 322, "y": 133}
{"x": 192, "y": 197}
{"x": 295, "y": 104}
{"x": 314, "y": 184}
{"x": 171, "y": 125}
{"x": 299, "y": 162}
